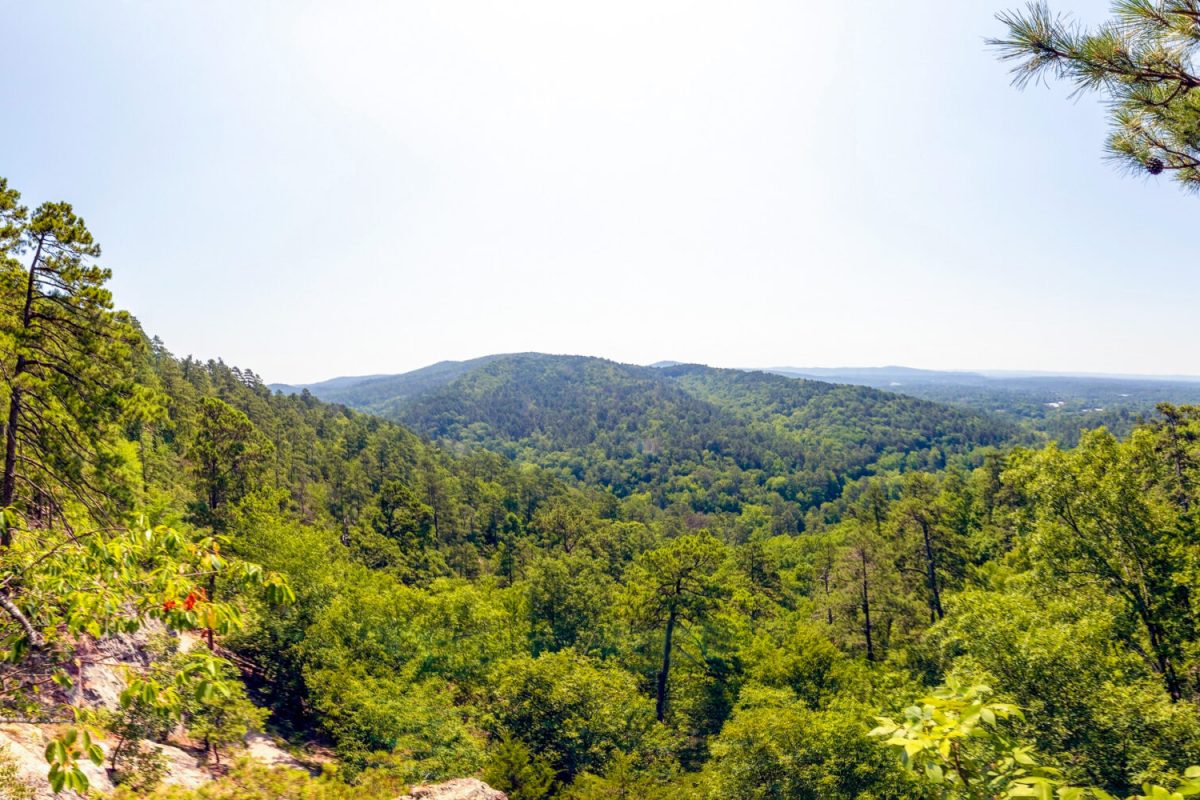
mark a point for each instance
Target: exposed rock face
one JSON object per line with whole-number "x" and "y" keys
{"x": 183, "y": 768}
{"x": 104, "y": 663}
{"x": 462, "y": 789}
{"x": 25, "y": 743}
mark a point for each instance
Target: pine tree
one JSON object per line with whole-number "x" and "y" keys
{"x": 865, "y": 573}
{"x": 65, "y": 357}
{"x": 670, "y": 587}
{"x": 1140, "y": 61}
{"x": 229, "y": 456}
{"x": 930, "y": 552}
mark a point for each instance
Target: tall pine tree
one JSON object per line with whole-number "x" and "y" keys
{"x": 65, "y": 361}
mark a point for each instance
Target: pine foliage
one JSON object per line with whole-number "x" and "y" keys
{"x": 1142, "y": 61}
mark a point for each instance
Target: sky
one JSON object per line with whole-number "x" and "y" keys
{"x": 311, "y": 189}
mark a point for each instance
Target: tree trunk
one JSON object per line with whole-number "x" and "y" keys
{"x": 212, "y": 597}
{"x": 1166, "y": 667}
{"x": 866, "y": 607}
{"x": 214, "y": 492}
{"x": 8, "y": 486}
{"x": 828, "y": 606}
{"x": 935, "y": 597}
{"x": 660, "y": 705}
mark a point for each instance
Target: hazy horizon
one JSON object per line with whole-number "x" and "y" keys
{"x": 989, "y": 373}
{"x": 311, "y": 190}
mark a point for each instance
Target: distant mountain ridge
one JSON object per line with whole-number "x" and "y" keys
{"x": 874, "y": 375}
{"x": 934, "y": 375}
{"x": 1056, "y": 406}
{"x": 405, "y": 382}
{"x": 370, "y": 390}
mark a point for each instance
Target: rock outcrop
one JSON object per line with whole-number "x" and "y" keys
{"x": 25, "y": 743}
{"x": 100, "y": 670}
{"x": 462, "y": 789}
{"x": 265, "y": 750}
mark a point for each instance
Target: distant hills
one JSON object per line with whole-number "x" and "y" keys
{"x": 876, "y": 376}
{"x": 1058, "y": 406}
{"x": 681, "y": 432}
{"x": 895, "y": 373}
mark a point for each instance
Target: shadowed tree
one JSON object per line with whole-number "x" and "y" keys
{"x": 674, "y": 585}
{"x": 1140, "y": 61}
{"x": 400, "y": 515}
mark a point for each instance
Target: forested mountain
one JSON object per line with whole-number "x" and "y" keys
{"x": 575, "y": 578}
{"x": 379, "y": 393}
{"x": 1042, "y": 407}
{"x": 704, "y": 439}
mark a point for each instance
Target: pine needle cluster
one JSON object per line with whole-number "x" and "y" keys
{"x": 1141, "y": 61}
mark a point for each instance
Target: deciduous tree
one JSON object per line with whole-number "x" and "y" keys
{"x": 1105, "y": 513}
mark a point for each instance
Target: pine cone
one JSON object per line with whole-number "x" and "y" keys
{"x": 1154, "y": 166}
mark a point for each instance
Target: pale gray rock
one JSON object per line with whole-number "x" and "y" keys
{"x": 461, "y": 789}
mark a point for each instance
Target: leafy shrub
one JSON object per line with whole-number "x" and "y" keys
{"x": 575, "y": 711}
{"x": 775, "y": 747}
{"x": 139, "y": 767}
{"x": 248, "y": 780}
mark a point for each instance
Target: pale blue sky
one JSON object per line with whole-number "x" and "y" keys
{"x": 317, "y": 189}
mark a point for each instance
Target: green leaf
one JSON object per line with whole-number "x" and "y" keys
{"x": 77, "y": 780}
{"x": 1022, "y": 757}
